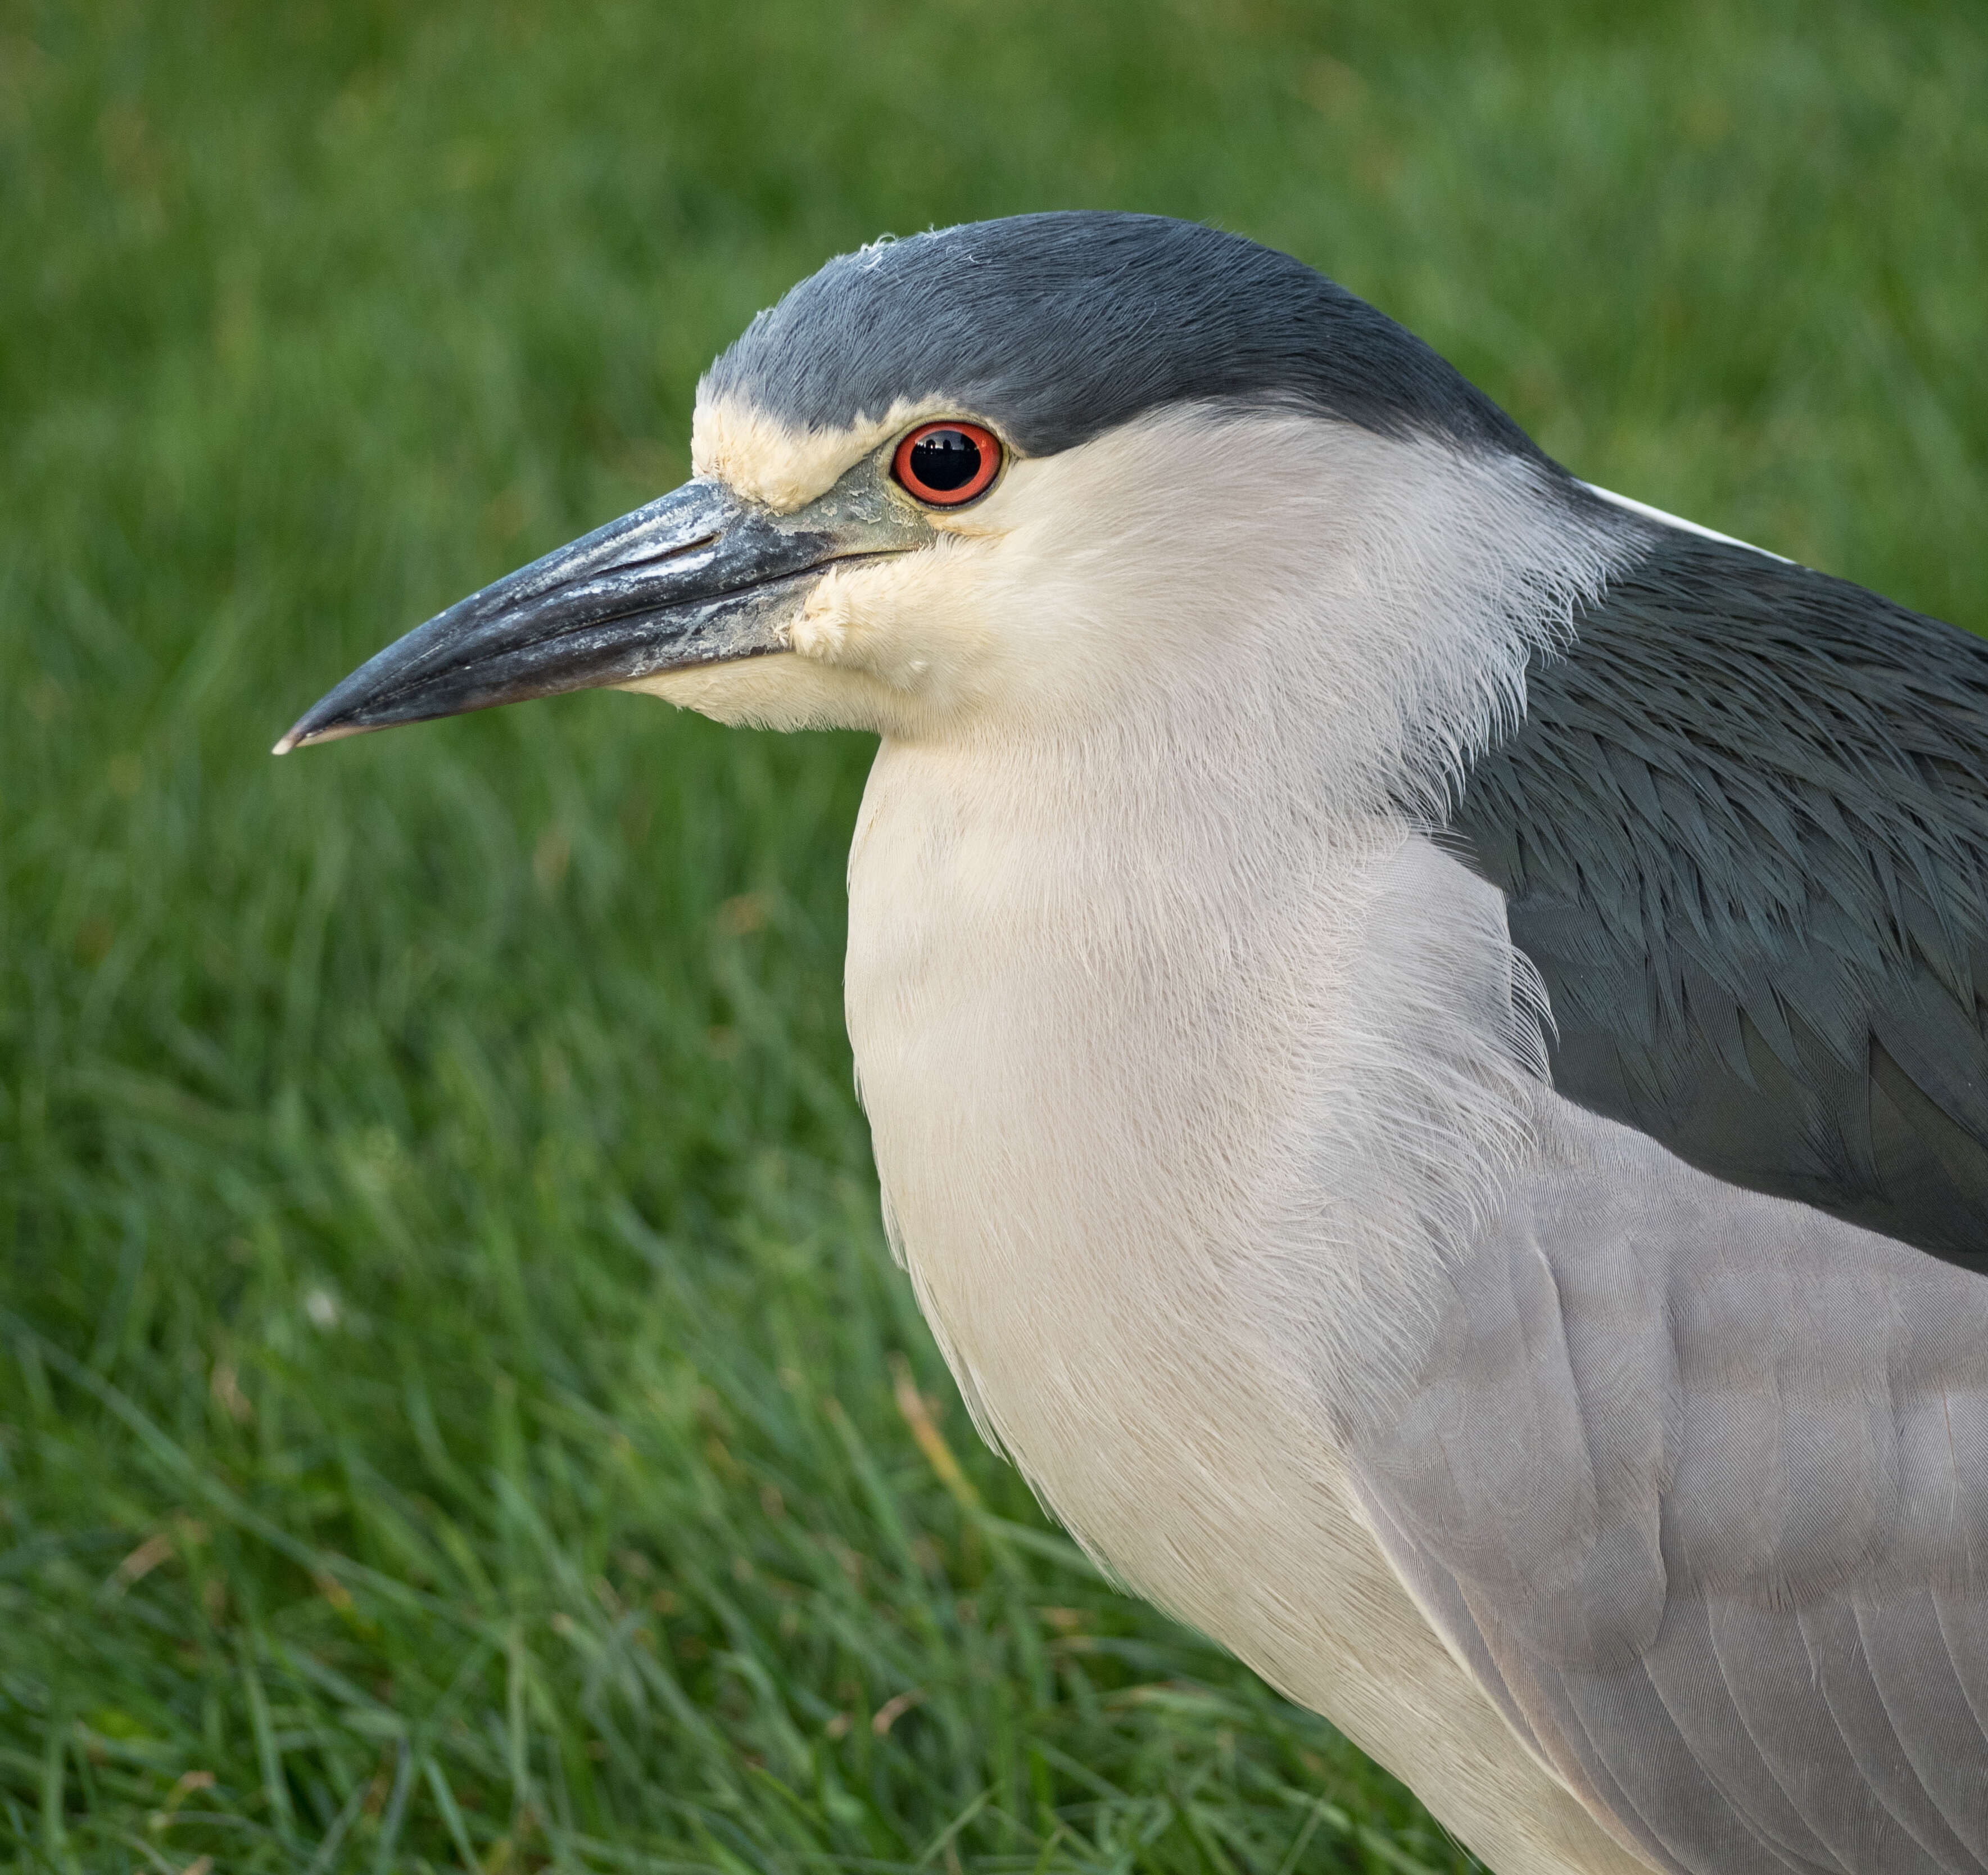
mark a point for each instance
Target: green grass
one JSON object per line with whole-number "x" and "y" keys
{"x": 455, "y": 1407}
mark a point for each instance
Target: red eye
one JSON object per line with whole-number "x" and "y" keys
{"x": 946, "y": 464}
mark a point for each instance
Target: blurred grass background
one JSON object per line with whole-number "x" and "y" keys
{"x": 455, "y": 1407}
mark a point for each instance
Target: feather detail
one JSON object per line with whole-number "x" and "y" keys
{"x": 1743, "y": 830}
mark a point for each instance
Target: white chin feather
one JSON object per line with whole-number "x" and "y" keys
{"x": 777, "y": 692}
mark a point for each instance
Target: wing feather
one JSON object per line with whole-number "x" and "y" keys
{"x": 1695, "y": 1480}
{"x": 1743, "y": 829}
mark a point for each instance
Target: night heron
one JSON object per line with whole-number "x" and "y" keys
{"x": 1423, "y": 1023}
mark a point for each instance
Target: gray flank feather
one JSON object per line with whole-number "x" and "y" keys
{"x": 1696, "y": 1481}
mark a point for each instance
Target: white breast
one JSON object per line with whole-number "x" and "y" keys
{"x": 1115, "y": 1133}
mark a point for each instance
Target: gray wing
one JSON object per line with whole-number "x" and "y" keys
{"x": 1743, "y": 833}
{"x": 1696, "y": 1482}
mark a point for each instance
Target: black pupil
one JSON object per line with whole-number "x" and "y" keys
{"x": 945, "y": 459}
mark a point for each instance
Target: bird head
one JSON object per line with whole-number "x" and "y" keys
{"x": 1038, "y": 472}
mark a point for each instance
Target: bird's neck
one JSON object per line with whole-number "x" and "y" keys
{"x": 1140, "y": 1053}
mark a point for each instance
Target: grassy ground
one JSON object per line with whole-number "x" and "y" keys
{"x": 455, "y": 1407}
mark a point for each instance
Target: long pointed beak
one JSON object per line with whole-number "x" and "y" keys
{"x": 697, "y": 577}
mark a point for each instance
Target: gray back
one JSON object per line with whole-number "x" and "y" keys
{"x": 1743, "y": 830}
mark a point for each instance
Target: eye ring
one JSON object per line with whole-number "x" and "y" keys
{"x": 947, "y": 464}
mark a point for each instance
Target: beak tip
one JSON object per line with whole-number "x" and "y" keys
{"x": 302, "y": 733}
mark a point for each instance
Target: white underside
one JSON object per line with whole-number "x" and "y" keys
{"x": 1111, "y": 1184}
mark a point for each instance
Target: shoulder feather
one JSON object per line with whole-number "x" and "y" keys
{"x": 1742, "y": 830}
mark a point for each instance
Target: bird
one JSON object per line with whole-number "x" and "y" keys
{"x": 1424, "y": 1024}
